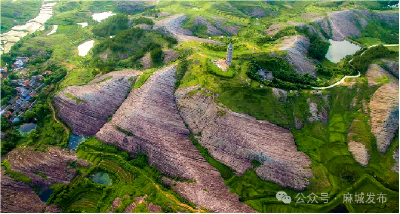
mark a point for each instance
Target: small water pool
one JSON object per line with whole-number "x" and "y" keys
{"x": 45, "y": 195}
{"x": 102, "y": 178}
{"x": 339, "y": 49}
{"x": 74, "y": 141}
{"x": 27, "y": 127}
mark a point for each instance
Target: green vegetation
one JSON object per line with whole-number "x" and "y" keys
{"x": 123, "y": 131}
{"x": 77, "y": 100}
{"x": 143, "y": 20}
{"x": 131, "y": 178}
{"x": 119, "y": 52}
{"x": 111, "y": 26}
{"x": 156, "y": 56}
{"x": 17, "y": 13}
{"x": 41, "y": 174}
{"x": 225, "y": 171}
{"x": 361, "y": 62}
{"x": 318, "y": 47}
{"x": 18, "y": 176}
{"x": 284, "y": 76}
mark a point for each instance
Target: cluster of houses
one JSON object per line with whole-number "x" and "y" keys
{"x": 26, "y": 89}
{"x": 18, "y": 66}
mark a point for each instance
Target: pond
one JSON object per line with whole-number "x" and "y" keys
{"x": 45, "y": 195}
{"x": 100, "y": 16}
{"x": 85, "y": 47}
{"x": 102, "y": 178}
{"x": 27, "y": 127}
{"x": 74, "y": 141}
{"x": 339, "y": 49}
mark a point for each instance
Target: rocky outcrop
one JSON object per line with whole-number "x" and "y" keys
{"x": 149, "y": 121}
{"x": 172, "y": 25}
{"x": 44, "y": 168}
{"x": 169, "y": 55}
{"x": 144, "y": 26}
{"x": 231, "y": 30}
{"x": 393, "y": 67}
{"x": 297, "y": 50}
{"x": 236, "y": 139}
{"x": 344, "y": 24}
{"x": 52, "y": 208}
{"x": 273, "y": 29}
{"x": 255, "y": 12}
{"x": 86, "y": 108}
{"x": 280, "y": 94}
{"x": 211, "y": 29}
{"x": 384, "y": 108}
{"x": 357, "y": 149}
{"x": 375, "y": 74}
{"x": 388, "y": 18}
{"x": 317, "y": 114}
{"x": 349, "y": 23}
{"x": 17, "y": 197}
{"x": 131, "y": 207}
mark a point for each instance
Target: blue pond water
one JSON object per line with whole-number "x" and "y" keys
{"x": 74, "y": 141}
{"x": 45, "y": 195}
{"x": 339, "y": 49}
{"x": 102, "y": 178}
{"x": 27, "y": 127}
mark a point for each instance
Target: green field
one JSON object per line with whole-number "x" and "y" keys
{"x": 130, "y": 178}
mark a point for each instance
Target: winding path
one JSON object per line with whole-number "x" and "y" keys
{"x": 358, "y": 75}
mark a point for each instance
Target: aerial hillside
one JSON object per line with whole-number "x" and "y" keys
{"x": 198, "y": 106}
{"x": 86, "y": 108}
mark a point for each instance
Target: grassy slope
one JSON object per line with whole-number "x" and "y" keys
{"x": 335, "y": 171}
{"x": 17, "y": 13}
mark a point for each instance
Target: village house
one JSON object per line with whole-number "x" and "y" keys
{"x": 18, "y": 64}
{"x": 265, "y": 75}
{"x": 23, "y": 59}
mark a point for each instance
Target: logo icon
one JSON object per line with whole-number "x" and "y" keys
{"x": 282, "y": 196}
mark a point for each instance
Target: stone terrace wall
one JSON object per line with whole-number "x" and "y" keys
{"x": 151, "y": 116}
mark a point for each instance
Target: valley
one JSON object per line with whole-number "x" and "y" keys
{"x": 185, "y": 106}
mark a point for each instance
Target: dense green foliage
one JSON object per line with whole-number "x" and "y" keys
{"x": 361, "y": 62}
{"x": 156, "y": 56}
{"x": 17, "y": 13}
{"x": 284, "y": 76}
{"x": 127, "y": 47}
{"x": 143, "y": 20}
{"x": 111, "y": 26}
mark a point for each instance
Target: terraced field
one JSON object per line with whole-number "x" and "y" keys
{"x": 120, "y": 172}
{"x": 131, "y": 179}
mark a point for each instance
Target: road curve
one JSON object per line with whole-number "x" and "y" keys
{"x": 358, "y": 75}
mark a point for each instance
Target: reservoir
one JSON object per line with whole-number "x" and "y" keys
{"x": 102, "y": 178}
{"x": 85, "y": 47}
{"x": 339, "y": 49}
{"x": 100, "y": 16}
{"x": 27, "y": 127}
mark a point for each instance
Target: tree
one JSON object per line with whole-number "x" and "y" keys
{"x": 156, "y": 56}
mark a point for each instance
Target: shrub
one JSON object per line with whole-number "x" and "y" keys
{"x": 156, "y": 56}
